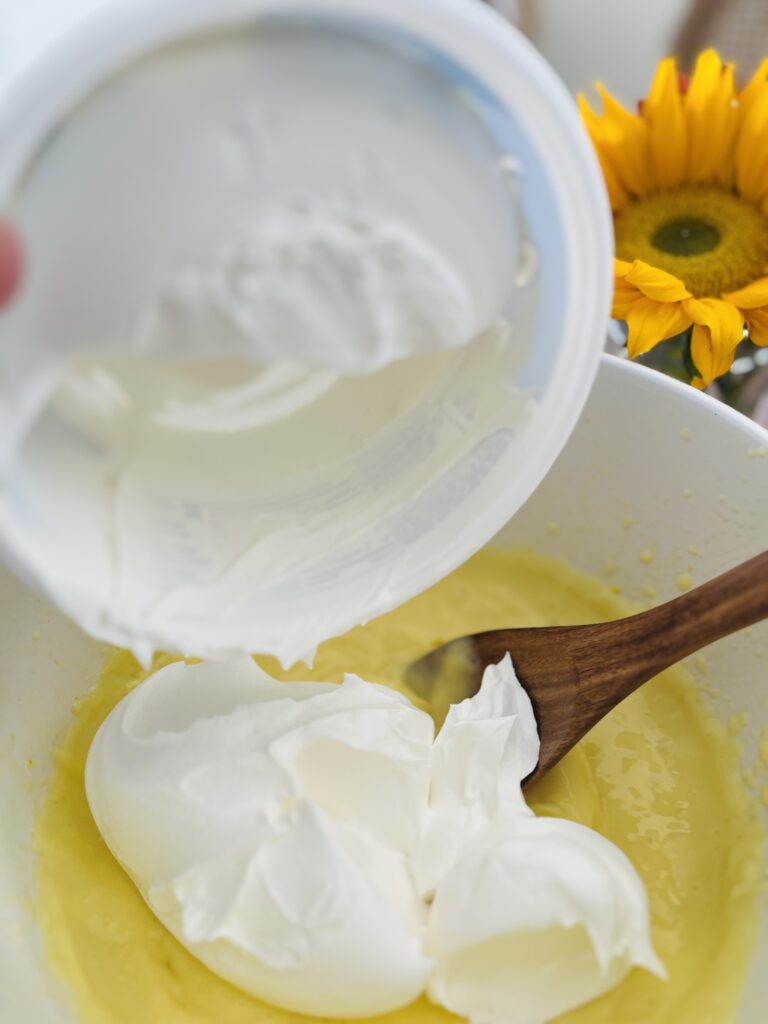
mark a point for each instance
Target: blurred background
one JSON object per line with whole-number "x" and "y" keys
{"x": 617, "y": 42}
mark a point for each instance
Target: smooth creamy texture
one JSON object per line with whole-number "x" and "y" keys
{"x": 313, "y": 846}
{"x": 330, "y": 284}
{"x": 302, "y": 511}
{"x": 531, "y": 916}
{"x": 659, "y": 778}
{"x": 269, "y": 826}
{"x": 326, "y": 197}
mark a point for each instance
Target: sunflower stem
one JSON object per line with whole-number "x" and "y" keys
{"x": 688, "y": 362}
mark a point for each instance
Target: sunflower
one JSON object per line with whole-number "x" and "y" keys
{"x": 687, "y": 177}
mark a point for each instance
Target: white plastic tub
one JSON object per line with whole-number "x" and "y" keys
{"x": 686, "y": 470}
{"x": 113, "y": 165}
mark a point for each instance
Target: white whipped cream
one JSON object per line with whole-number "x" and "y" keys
{"x": 322, "y": 282}
{"x": 314, "y": 845}
{"x": 531, "y": 916}
{"x": 253, "y": 428}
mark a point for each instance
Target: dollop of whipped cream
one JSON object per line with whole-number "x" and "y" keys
{"x": 318, "y": 847}
{"x": 324, "y": 283}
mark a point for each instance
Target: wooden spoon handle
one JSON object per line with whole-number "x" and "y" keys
{"x": 624, "y": 654}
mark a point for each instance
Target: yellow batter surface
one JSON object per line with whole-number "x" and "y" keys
{"x": 658, "y": 777}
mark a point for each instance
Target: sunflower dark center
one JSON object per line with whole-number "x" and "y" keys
{"x": 686, "y": 236}
{"x": 708, "y": 237}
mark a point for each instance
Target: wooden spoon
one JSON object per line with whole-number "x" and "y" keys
{"x": 575, "y": 675}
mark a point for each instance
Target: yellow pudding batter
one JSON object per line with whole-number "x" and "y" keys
{"x": 658, "y": 777}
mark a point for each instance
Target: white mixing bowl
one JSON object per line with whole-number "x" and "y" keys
{"x": 687, "y": 470}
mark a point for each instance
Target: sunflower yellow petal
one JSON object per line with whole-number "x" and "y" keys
{"x": 624, "y": 293}
{"x": 752, "y": 152}
{"x": 754, "y": 87}
{"x": 623, "y": 296}
{"x": 617, "y": 194}
{"x": 655, "y": 283}
{"x": 650, "y": 322}
{"x": 757, "y": 325}
{"x": 622, "y": 138}
{"x": 722, "y": 318}
{"x": 751, "y": 297}
{"x": 712, "y": 115}
{"x": 710, "y": 361}
{"x": 668, "y": 129}
{"x": 727, "y": 127}
{"x": 752, "y": 101}
{"x": 718, "y": 329}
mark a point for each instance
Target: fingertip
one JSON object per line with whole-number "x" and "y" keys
{"x": 11, "y": 260}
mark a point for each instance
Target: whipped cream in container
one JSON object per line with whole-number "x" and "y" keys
{"x": 316, "y": 291}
